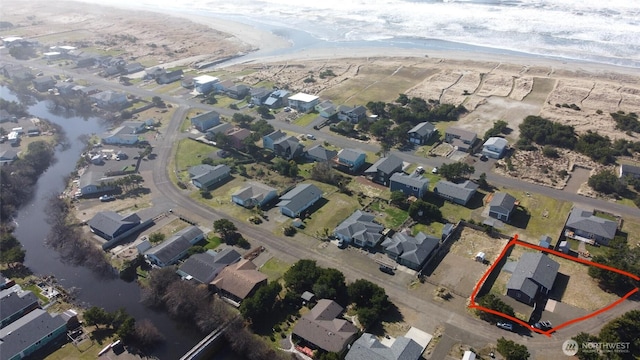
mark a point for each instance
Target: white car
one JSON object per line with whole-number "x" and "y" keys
{"x": 311, "y": 137}
{"x": 435, "y": 170}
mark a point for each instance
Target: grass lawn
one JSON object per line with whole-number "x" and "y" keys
{"x": 190, "y": 153}
{"x": 370, "y": 191}
{"x": 306, "y": 119}
{"x": 173, "y": 227}
{"x": 545, "y": 216}
{"x": 632, "y": 228}
{"x": 434, "y": 229}
{"x": 274, "y": 268}
{"x": 87, "y": 349}
{"x": 168, "y": 87}
{"x": 212, "y": 242}
{"x": 225, "y": 101}
{"x": 392, "y": 217}
{"x": 338, "y": 207}
{"x": 454, "y": 212}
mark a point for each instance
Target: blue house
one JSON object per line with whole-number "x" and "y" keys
{"x": 351, "y": 160}
{"x": 270, "y": 139}
{"x": 31, "y": 332}
{"x": 206, "y": 121}
{"x": 299, "y": 199}
{"x": 411, "y": 185}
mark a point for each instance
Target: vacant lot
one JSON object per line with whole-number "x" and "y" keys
{"x": 274, "y": 268}
{"x": 190, "y": 153}
{"x": 336, "y": 208}
{"x": 473, "y": 241}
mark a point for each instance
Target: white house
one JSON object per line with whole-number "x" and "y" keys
{"x": 205, "y": 83}
{"x": 494, "y": 147}
{"x": 303, "y": 102}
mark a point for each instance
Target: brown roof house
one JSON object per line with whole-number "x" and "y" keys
{"x": 322, "y": 329}
{"x": 238, "y": 281}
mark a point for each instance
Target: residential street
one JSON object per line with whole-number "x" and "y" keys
{"x": 460, "y": 325}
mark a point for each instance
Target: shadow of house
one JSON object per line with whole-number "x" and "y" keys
{"x": 175, "y": 248}
{"x": 381, "y": 171}
{"x": 520, "y": 217}
{"x": 360, "y": 229}
{"x": 322, "y": 329}
{"x": 534, "y": 273}
{"x": 204, "y": 267}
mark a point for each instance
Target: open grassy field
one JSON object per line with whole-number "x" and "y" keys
{"x": 190, "y": 153}
{"x": 473, "y": 241}
{"x": 173, "y": 227}
{"x": 390, "y": 216}
{"x": 306, "y": 119}
{"x": 370, "y": 191}
{"x": 375, "y": 83}
{"x": 338, "y": 207}
{"x": 87, "y": 350}
{"x": 632, "y": 228}
{"x": 274, "y": 268}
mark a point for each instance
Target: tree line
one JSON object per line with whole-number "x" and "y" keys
{"x": 622, "y": 331}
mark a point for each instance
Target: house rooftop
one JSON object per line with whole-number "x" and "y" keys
{"x": 496, "y": 142}
{"x": 109, "y": 222}
{"x": 26, "y": 331}
{"x": 256, "y": 191}
{"x": 456, "y": 191}
{"x": 503, "y": 200}
{"x": 239, "y": 279}
{"x": 299, "y": 197}
{"x": 319, "y": 152}
{"x": 584, "y": 220}
{"x": 176, "y": 244}
{"x": 415, "y": 180}
{"x": 361, "y": 226}
{"x": 463, "y": 134}
{"x": 321, "y": 327}
{"x": 423, "y": 128}
{"x": 387, "y": 165}
{"x": 302, "y": 97}
{"x": 368, "y": 347}
{"x": 205, "y": 266}
{"x": 350, "y": 154}
{"x": 533, "y": 269}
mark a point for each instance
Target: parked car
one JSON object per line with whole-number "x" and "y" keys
{"x": 435, "y": 170}
{"x": 420, "y": 170}
{"x": 542, "y": 325}
{"x": 484, "y": 158}
{"x": 387, "y": 270}
{"x": 505, "y": 325}
{"x": 105, "y": 198}
{"x": 311, "y": 137}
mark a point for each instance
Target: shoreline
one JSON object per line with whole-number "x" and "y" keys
{"x": 272, "y": 47}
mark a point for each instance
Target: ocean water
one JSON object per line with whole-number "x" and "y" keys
{"x": 591, "y": 30}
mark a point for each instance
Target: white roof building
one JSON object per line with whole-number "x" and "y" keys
{"x": 302, "y": 97}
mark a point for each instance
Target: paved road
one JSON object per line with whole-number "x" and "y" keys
{"x": 170, "y": 196}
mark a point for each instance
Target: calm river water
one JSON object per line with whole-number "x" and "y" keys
{"x": 91, "y": 290}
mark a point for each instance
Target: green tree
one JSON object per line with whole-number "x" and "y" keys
{"x": 157, "y": 101}
{"x": 550, "y": 152}
{"x": 499, "y": 127}
{"x": 511, "y": 350}
{"x": 301, "y": 276}
{"x": 582, "y": 338}
{"x": 261, "y": 303}
{"x": 127, "y": 329}
{"x": 606, "y": 182}
{"x": 367, "y": 316}
{"x": 490, "y": 301}
{"x": 330, "y": 285}
{"x": 377, "y": 108}
{"x": 482, "y": 181}
{"x": 402, "y": 99}
{"x": 421, "y": 209}
{"x": 380, "y": 127}
{"x": 156, "y": 237}
{"x": 226, "y": 228}
{"x": 97, "y": 316}
{"x": 398, "y": 198}
{"x": 11, "y": 250}
{"x": 456, "y": 171}
{"x": 624, "y": 329}
{"x": 262, "y": 127}
{"x": 263, "y": 111}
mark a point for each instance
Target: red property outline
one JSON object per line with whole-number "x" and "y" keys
{"x": 514, "y": 241}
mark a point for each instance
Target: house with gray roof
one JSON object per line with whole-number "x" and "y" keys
{"x": 93, "y": 182}
{"x": 111, "y": 100}
{"x": 352, "y": 114}
{"x": 381, "y": 171}
{"x": 629, "y": 170}
{"x": 206, "y": 176}
{"x": 238, "y": 91}
{"x": 122, "y": 135}
{"x": 8, "y": 156}
{"x": 276, "y": 99}
{"x": 421, "y": 133}
{"x": 326, "y": 109}
{"x": 321, "y": 328}
{"x": 175, "y": 248}
{"x": 412, "y": 184}
{"x": 14, "y": 303}
{"x": 462, "y": 139}
{"x": 583, "y": 225}
{"x": 458, "y": 193}
{"x": 109, "y": 224}
{"x": 299, "y": 199}
{"x": 169, "y": 77}
{"x": 206, "y": 121}
{"x": 360, "y": 229}
{"x": 411, "y": 251}
{"x": 288, "y": 147}
{"x": 30, "y": 333}
{"x": 269, "y": 140}
{"x": 501, "y": 206}
{"x": 368, "y": 347}
{"x": 534, "y": 273}
{"x": 204, "y": 267}
{"x": 319, "y": 153}
{"x": 259, "y": 95}
{"x": 222, "y": 128}
{"x": 350, "y": 160}
{"x": 255, "y": 194}
{"x": 494, "y": 147}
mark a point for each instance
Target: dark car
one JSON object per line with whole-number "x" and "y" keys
{"x": 542, "y": 325}
{"x": 387, "y": 270}
{"x": 484, "y": 158}
{"x": 105, "y": 198}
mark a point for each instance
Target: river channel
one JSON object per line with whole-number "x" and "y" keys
{"x": 90, "y": 290}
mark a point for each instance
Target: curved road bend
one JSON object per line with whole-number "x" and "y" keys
{"x": 287, "y": 250}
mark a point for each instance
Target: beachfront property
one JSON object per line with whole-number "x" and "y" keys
{"x": 584, "y": 226}
{"x": 494, "y": 147}
{"x": 421, "y": 133}
{"x": 352, "y": 114}
{"x": 458, "y": 193}
{"x": 360, "y": 229}
{"x": 501, "y": 206}
{"x": 204, "y": 84}
{"x": 259, "y": 95}
{"x": 410, "y": 251}
{"x": 269, "y": 140}
{"x": 288, "y": 147}
{"x": 237, "y": 92}
{"x": 461, "y": 139}
{"x": 206, "y": 176}
{"x": 175, "y": 248}
{"x": 303, "y": 102}
{"x": 322, "y": 328}
{"x": 44, "y": 83}
{"x": 412, "y": 184}
{"x": 94, "y": 182}
{"x": 169, "y": 77}
{"x": 299, "y": 199}
{"x": 255, "y": 194}
{"x": 534, "y": 274}
{"x": 206, "y": 121}
{"x": 276, "y": 99}
{"x": 326, "y": 109}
